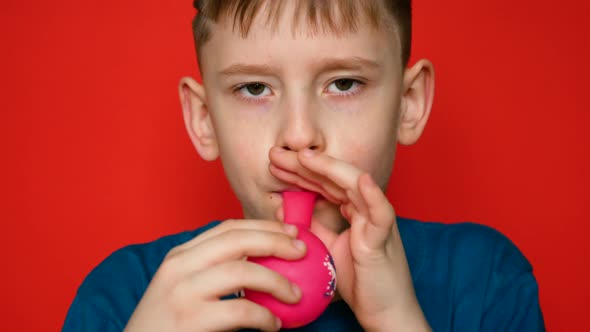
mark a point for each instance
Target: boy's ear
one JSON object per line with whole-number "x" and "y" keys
{"x": 416, "y": 101}
{"x": 197, "y": 118}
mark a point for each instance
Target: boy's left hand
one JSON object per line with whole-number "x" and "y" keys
{"x": 373, "y": 273}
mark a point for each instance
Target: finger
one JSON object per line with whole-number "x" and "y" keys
{"x": 231, "y": 315}
{"x": 359, "y": 206}
{"x": 381, "y": 212}
{"x": 235, "y": 244}
{"x": 232, "y": 277}
{"x": 236, "y": 224}
{"x": 341, "y": 173}
{"x": 297, "y": 180}
{"x": 288, "y": 161}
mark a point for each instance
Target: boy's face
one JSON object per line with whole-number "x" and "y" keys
{"x": 340, "y": 95}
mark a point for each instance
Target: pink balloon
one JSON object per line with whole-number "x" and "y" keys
{"x": 315, "y": 273}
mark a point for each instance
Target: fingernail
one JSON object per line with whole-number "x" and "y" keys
{"x": 290, "y": 229}
{"x": 296, "y": 290}
{"x": 299, "y": 245}
{"x": 308, "y": 153}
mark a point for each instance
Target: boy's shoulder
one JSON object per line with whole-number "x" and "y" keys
{"x": 474, "y": 271}
{"x": 139, "y": 260}
{"x": 111, "y": 291}
{"x": 465, "y": 247}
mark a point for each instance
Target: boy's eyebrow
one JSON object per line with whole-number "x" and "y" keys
{"x": 324, "y": 65}
{"x": 352, "y": 63}
{"x": 244, "y": 69}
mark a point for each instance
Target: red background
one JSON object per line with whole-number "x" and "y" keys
{"x": 97, "y": 156}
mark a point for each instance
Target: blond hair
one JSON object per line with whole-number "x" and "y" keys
{"x": 321, "y": 15}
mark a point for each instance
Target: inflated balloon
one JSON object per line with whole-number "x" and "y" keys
{"x": 314, "y": 273}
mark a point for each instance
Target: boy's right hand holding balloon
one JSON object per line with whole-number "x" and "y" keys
{"x": 184, "y": 294}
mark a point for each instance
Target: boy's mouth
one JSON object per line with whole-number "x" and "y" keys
{"x": 290, "y": 189}
{"x": 286, "y": 189}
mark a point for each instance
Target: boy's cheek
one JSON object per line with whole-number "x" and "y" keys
{"x": 353, "y": 150}
{"x": 377, "y": 160}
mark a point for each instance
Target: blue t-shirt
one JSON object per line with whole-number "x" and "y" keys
{"x": 467, "y": 277}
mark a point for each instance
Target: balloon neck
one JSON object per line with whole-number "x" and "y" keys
{"x": 298, "y": 207}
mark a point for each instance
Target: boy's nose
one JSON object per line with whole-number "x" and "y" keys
{"x": 299, "y": 130}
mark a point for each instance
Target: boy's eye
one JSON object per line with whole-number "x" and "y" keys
{"x": 255, "y": 89}
{"x": 343, "y": 85}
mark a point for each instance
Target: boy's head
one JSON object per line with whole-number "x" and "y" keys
{"x": 301, "y": 74}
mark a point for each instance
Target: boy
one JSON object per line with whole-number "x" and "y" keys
{"x": 311, "y": 95}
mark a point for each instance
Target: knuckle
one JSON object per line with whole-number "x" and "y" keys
{"x": 169, "y": 267}
{"x": 389, "y": 212}
{"x": 278, "y": 280}
{"x": 173, "y": 252}
{"x": 242, "y": 311}
{"x": 237, "y": 268}
{"x": 279, "y": 242}
{"x": 228, "y": 224}
{"x": 236, "y": 236}
{"x": 252, "y": 314}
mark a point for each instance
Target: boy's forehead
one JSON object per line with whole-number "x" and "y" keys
{"x": 271, "y": 34}
{"x": 280, "y": 49}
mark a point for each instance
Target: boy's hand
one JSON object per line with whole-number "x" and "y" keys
{"x": 184, "y": 293}
{"x": 373, "y": 273}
